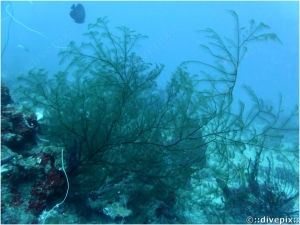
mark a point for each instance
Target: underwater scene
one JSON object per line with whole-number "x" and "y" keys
{"x": 149, "y": 112}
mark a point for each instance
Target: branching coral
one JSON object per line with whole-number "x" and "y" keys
{"x": 110, "y": 103}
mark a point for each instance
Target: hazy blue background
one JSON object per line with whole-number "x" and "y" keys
{"x": 269, "y": 68}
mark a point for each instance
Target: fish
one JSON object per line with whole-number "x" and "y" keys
{"x": 5, "y": 18}
{"x": 78, "y": 13}
{"x": 23, "y": 47}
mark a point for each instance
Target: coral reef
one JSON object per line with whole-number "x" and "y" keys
{"x": 138, "y": 154}
{"x": 18, "y": 128}
{"x": 5, "y": 95}
{"x": 30, "y": 173}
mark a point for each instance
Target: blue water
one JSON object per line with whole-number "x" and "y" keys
{"x": 39, "y": 30}
{"x": 171, "y": 28}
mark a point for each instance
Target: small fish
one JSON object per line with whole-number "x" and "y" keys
{"x": 5, "y": 18}
{"x": 22, "y": 47}
{"x": 78, "y": 13}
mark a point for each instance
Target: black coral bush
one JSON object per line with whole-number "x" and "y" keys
{"x": 108, "y": 101}
{"x": 111, "y": 104}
